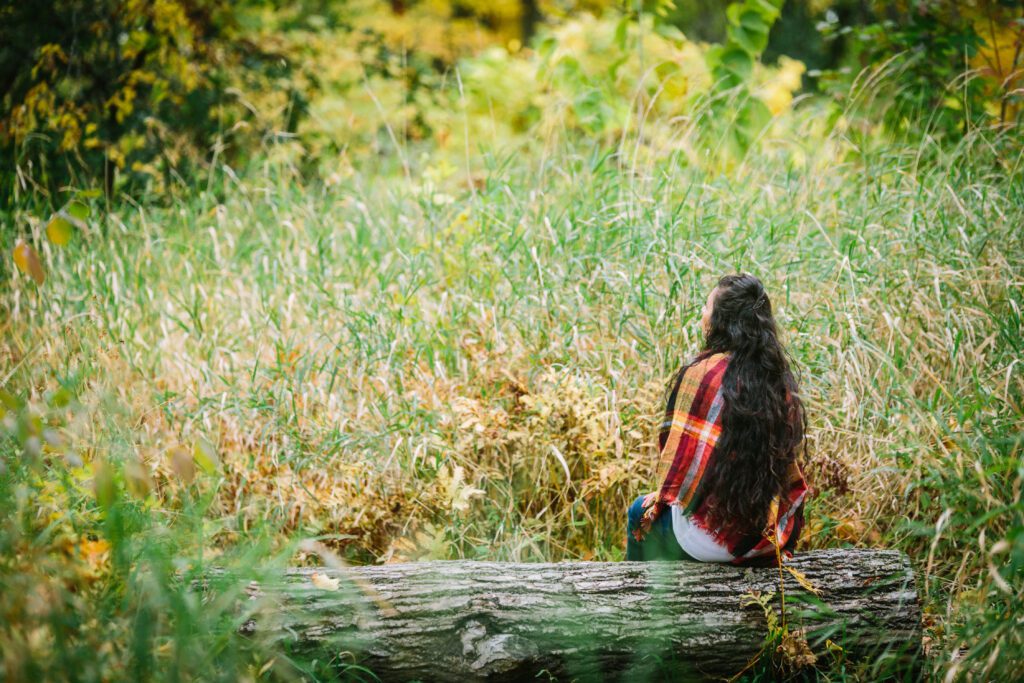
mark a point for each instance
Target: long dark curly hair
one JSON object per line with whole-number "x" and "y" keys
{"x": 763, "y": 419}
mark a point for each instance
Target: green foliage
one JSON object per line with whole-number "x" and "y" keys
{"x": 125, "y": 93}
{"x": 198, "y": 82}
{"x": 745, "y": 117}
{"x": 95, "y": 582}
{"x": 947, "y": 67}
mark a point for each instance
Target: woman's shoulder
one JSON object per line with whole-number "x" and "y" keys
{"x": 705, "y": 368}
{"x": 697, "y": 371}
{"x": 707, "y": 362}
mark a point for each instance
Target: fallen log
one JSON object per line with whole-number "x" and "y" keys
{"x": 465, "y": 620}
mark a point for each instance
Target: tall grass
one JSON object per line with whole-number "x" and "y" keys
{"x": 473, "y": 366}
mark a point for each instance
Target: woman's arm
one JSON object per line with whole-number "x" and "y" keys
{"x": 691, "y": 428}
{"x": 651, "y": 512}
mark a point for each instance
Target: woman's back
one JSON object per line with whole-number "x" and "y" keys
{"x": 733, "y": 421}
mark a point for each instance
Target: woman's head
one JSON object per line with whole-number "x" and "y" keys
{"x": 737, "y": 314}
{"x": 762, "y": 416}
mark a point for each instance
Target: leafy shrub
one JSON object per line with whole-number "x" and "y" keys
{"x": 188, "y": 83}
{"x": 127, "y": 92}
{"x": 949, "y": 65}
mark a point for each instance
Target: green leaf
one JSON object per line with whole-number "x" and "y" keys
{"x": 79, "y": 210}
{"x": 61, "y": 398}
{"x": 737, "y": 61}
{"x": 670, "y": 32}
{"x": 750, "y": 32}
{"x": 666, "y": 69}
{"x": 592, "y": 110}
{"x": 755, "y": 22}
{"x": 613, "y": 69}
{"x": 731, "y": 66}
{"x": 622, "y": 32}
{"x": 753, "y": 117}
{"x": 769, "y": 9}
{"x": 732, "y": 13}
{"x": 545, "y": 48}
{"x": 104, "y": 484}
{"x": 568, "y": 70}
{"x": 9, "y": 401}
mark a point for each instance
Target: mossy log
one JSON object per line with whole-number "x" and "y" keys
{"x": 465, "y": 620}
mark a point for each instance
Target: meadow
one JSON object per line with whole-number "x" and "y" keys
{"x": 464, "y": 356}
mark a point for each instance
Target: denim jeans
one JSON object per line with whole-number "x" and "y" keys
{"x": 659, "y": 543}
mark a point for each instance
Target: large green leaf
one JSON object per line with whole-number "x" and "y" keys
{"x": 734, "y": 68}
{"x": 77, "y": 209}
{"x": 769, "y": 10}
{"x": 749, "y": 31}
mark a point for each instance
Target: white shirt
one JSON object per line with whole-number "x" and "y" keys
{"x": 696, "y": 542}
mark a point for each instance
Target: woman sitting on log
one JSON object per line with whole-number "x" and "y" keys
{"x": 733, "y": 422}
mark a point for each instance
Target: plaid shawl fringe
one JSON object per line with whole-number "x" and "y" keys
{"x": 686, "y": 440}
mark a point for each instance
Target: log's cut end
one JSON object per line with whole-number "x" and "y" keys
{"x": 466, "y": 620}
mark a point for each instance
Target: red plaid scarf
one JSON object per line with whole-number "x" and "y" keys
{"x": 687, "y": 438}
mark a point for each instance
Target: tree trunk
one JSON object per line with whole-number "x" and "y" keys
{"x": 528, "y": 19}
{"x": 465, "y": 620}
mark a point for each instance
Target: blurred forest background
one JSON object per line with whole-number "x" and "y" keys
{"x": 407, "y": 278}
{"x": 144, "y": 98}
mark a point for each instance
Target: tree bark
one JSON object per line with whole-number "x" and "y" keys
{"x": 465, "y": 620}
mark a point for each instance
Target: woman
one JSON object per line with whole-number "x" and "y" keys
{"x": 733, "y": 422}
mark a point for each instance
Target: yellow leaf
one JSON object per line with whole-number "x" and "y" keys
{"x": 795, "y": 650}
{"x": 95, "y": 554}
{"x": 323, "y": 582}
{"x": 59, "y": 230}
{"x": 93, "y": 551}
{"x": 27, "y": 260}
{"x": 137, "y": 478}
{"x": 182, "y": 463}
{"x": 206, "y": 456}
{"x": 103, "y": 483}
{"x": 803, "y": 580}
